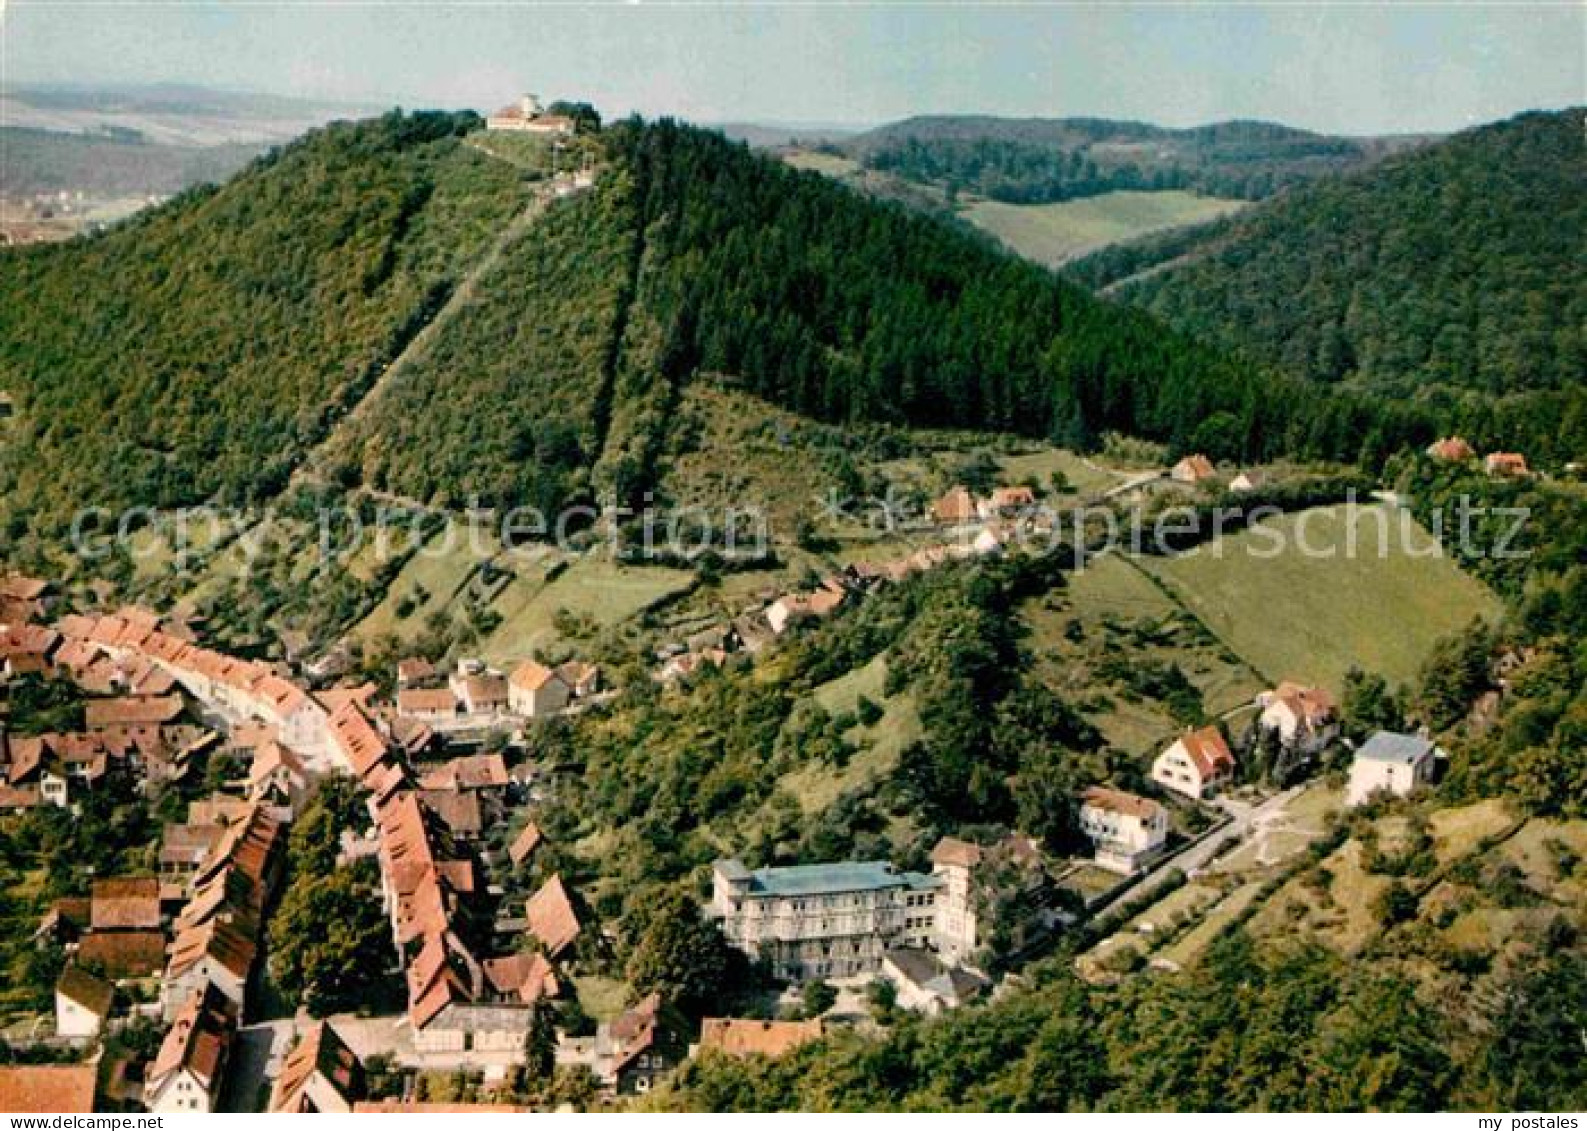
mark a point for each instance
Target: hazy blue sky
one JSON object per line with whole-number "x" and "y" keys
{"x": 1344, "y": 68}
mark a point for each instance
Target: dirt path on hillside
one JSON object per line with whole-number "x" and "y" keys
{"x": 311, "y": 469}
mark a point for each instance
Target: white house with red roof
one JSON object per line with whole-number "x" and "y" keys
{"x": 1197, "y": 763}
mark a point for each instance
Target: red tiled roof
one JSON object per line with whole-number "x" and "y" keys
{"x": 532, "y": 676}
{"x": 1208, "y": 751}
{"x": 320, "y": 1051}
{"x": 551, "y": 917}
{"x": 198, "y": 1038}
{"x": 524, "y": 844}
{"x": 51, "y": 1088}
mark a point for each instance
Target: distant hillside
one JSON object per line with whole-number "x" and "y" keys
{"x": 1044, "y": 160}
{"x": 111, "y": 165}
{"x": 1457, "y": 267}
{"x": 169, "y": 114}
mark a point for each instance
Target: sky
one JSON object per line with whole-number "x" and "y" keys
{"x": 1336, "y": 67}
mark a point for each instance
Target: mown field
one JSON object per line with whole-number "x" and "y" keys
{"x": 1315, "y": 608}
{"x": 1056, "y": 233}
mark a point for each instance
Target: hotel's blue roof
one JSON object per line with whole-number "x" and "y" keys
{"x": 823, "y": 879}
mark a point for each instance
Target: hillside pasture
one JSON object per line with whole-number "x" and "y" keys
{"x": 1315, "y": 609}
{"x": 1053, "y": 234}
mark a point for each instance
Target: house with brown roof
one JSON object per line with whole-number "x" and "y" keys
{"x": 132, "y": 710}
{"x": 524, "y": 844}
{"x": 551, "y": 918}
{"x": 535, "y": 691}
{"x": 470, "y": 772}
{"x": 125, "y": 903}
{"x": 582, "y": 677}
{"x": 521, "y": 978}
{"x": 480, "y": 690}
{"x": 49, "y": 1088}
{"x": 278, "y": 780}
{"x": 320, "y": 1076}
{"x": 123, "y": 955}
{"x": 186, "y": 1075}
{"x": 1195, "y": 468}
{"x": 1195, "y": 764}
{"x": 82, "y": 1004}
{"x": 1451, "y": 449}
{"x": 414, "y": 671}
{"x": 741, "y": 1037}
{"x": 955, "y": 506}
{"x": 1127, "y": 830}
{"x": 428, "y": 704}
{"x": 459, "y": 810}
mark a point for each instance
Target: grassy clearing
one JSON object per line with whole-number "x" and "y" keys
{"x": 1056, "y": 233}
{"x": 1309, "y": 616}
{"x": 1085, "y": 478}
{"x": 1457, "y": 832}
{"x": 877, "y": 747}
{"x": 1346, "y": 920}
{"x": 1110, "y": 609}
{"x": 428, "y": 582}
{"x": 601, "y": 590}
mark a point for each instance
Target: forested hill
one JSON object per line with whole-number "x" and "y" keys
{"x": 1042, "y": 160}
{"x": 207, "y": 348}
{"x": 693, "y": 255}
{"x": 1454, "y": 268}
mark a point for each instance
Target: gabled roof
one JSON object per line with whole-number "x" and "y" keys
{"x": 49, "y": 1088}
{"x": 320, "y": 1051}
{"x": 229, "y": 944}
{"x": 356, "y": 738}
{"x": 529, "y": 977}
{"x": 551, "y": 917}
{"x": 125, "y": 903}
{"x": 750, "y": 1037}
{"x": 123, "y": 954}
{"x": 532, "y": 676}
{"x": 92, "y": 993}
{"x": 476, "y": 771}
{"x": 524, "y": 845}
{"x": 953, "y": 852}
{"x": 1208, "y": 751}
{"x": 132, "y": 710}
{"x": 427, "y": 701}
{"x": 197, "y": 1040}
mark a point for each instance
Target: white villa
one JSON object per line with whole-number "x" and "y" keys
{"x": 1390, "y": 763}
{"x": 1305, "y": 718}
{"x": 1127, "y": 830}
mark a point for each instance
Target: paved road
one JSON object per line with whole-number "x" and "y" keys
{"x": 1242, "y": 819}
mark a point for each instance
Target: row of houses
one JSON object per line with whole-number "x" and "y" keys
{"x": 1455, "y": 449}
{"x": 475, "y": 696}
{"x": 236, "y": 690}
